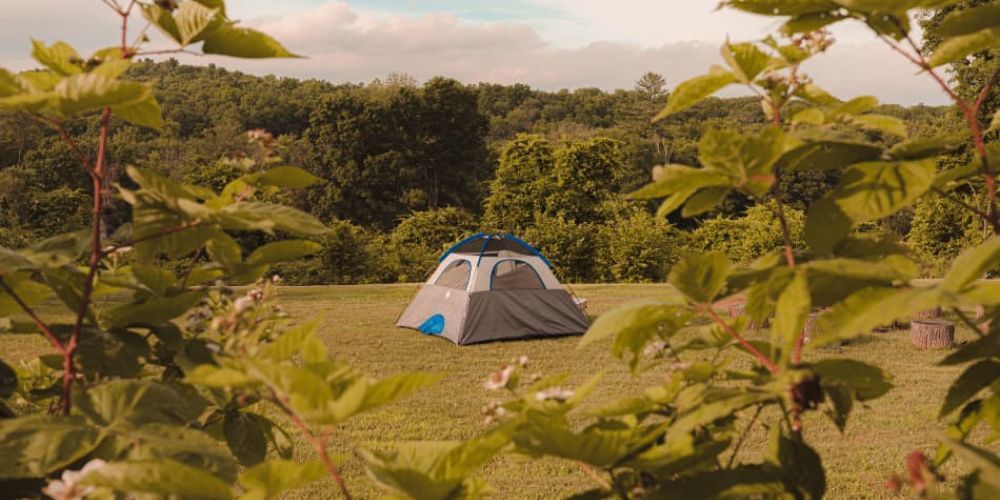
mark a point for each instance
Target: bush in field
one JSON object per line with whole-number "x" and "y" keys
{"x": 749, "y": 237}
{"x": 417, "y": 242}
{"x": 638, "y": 248}
{"x": 521, "y": 186}
{"x": 585, "y": 175}
{"x": 347, "y": 256}
{"x": 939, "y": 231}
{"x": 570, "y": 246}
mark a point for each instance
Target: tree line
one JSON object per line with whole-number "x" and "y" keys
{"x": 411, "y": 167}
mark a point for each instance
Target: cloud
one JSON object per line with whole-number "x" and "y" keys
{"x": 617, "y": 43}
{"x": 348, "y": 44}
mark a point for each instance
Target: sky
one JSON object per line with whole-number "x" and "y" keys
{"x": 548, "y": 44}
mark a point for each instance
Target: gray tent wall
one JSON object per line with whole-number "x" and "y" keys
{"x": 495, "y": 288}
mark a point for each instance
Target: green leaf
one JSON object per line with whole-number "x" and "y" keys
{"x": 156, "y": 279}
{"x": 679, "y": 178}
{"x": 791, "y": 312}
{"x": 225, "y": 250}
{"x": 30, "y": 292}
{"x": 918, "y": 149}
{"x": 228, "y": 40}
{"x": 155, "y": 310}
{"x": 959, "y": 47}
{"x": 969, "y": 20}
{"x": 142, "y": 113}
{"x": 801, "y": 467}
{"x": 38, "y": 445}
{"x": 867, "y": 191}
{"x": 387, "y": 390}
{"x": 301, "y": 339}
{"x": 89, "y": 92}
{"x": 746, "y": 60}
{"x": 701, "y": 277}
{"x": 870, "y": 308}
{"x": 163, "y": 19}
{"x": 637, "y": 323}
{"x": 865, "y": 382}
{"x": 972, "y": 264}
{"x": 985, "y": 462}
{"x": 286, "y": 177}
{"x": 783, "y": 7}
{"x": 857, "y": 106}
{"x": 132, "y": 402}
{"x": 693, "y": 91}
{"x": 704, "y": 201}
{"x": 433, "y": 470}
{"x": 882, "y": 123}
{"x": 272, "y": 478}
{"x": 741, "y": 481}
{"x": 245, "y": 437}
{"x": 994, "y": 123}
{"x": 974, "y": 379}
{"x": 189, "y": 446}
{"x": 827, "y": 155}
{"x": 58, "y": 250}
{"x": 192, "y": 20}
{"x": 984, "y": 347}
{"x": 60, "y": 57}
{"x": 162, "y": 477}
{"x": 282, "y": 251}
{"x": 251, "y": 216}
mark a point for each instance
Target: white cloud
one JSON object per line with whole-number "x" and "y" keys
{"x": 616, "y": 43}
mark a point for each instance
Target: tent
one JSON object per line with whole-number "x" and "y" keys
{"x": 493, "y": 287}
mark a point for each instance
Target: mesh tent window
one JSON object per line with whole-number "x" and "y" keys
{"x": 456, "y": 275}
{"x": 514, "y": 274}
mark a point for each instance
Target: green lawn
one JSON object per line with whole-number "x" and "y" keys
{"x": 358, "y": 325}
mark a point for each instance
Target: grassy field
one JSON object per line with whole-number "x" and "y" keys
{"x": 358, "y": 325}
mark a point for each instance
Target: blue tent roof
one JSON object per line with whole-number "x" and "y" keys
{"x": 480, "y": 243}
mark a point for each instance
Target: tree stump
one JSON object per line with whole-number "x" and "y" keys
{"x": 932, "y": 333}
{"x": 928, "y": 314}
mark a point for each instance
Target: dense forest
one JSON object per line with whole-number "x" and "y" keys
{"x": 412, "y": 167}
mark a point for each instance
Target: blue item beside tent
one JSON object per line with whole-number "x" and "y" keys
{"x": 433, "y": 326}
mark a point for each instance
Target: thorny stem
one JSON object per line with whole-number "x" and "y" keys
{"x": 764, "y": 360}
{"x": 318, "y": 443}
{"x": 96, "y": 252}
{"x": 34, "y": 317}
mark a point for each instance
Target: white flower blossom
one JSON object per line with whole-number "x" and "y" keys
{"x": 66, "y": 488}
{"x": 523, "y": 361}
{"x": 499, "y": 379}
{"x": 242, "y": 304}
{"x": 655, "y": 348}
{"x": 554, "y": 394}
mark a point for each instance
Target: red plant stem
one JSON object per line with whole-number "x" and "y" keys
{"x": 34, "y": 317}
{"x": 969, "y": 111}
{"x": 318, "y": 444}
{"x": 764, "y": 360}
{"x": 785, "y": 233}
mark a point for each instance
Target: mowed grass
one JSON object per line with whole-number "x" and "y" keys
{"x": 358, "y": 326}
